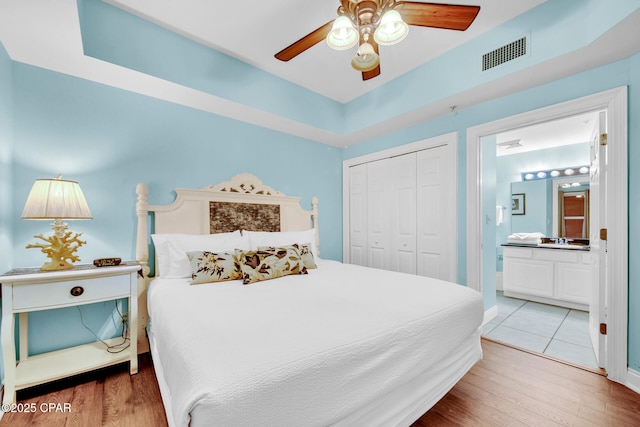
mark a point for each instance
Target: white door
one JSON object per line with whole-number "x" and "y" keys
{"x": 403, "y": 212}
{"x": 435, "y": 219}
{"x": 378, "y": 214}
{"x": 598, "y": 221}
{"x": 358, "y": 214}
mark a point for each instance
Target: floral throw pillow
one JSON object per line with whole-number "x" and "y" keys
{"x": 270, "y": 263}
{"x": 305, "y": 253}
{"x": 207, "y": 267}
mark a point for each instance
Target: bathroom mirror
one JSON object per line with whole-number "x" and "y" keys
{"x": 555, "y": 207}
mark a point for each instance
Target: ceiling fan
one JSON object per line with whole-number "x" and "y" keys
{"x": 369, "y": 23}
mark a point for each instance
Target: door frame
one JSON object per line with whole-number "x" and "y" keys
{"x": 614, "y": 101}
{"x": 424, "y": 144}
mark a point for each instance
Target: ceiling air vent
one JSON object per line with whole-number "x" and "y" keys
{"x": 504, "y": 54}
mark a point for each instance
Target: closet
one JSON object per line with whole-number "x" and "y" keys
{"x": 402, "y": 213}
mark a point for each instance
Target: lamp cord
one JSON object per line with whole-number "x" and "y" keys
{"x": 115, "y": 348}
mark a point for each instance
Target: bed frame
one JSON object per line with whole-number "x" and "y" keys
{"x": 243, "y": 202}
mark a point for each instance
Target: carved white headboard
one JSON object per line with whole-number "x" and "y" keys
{"x": 244, "y": 202}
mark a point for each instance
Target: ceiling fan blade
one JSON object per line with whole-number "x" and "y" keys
{"x": 366, "y": 75}
{"x": 447, "y": 16}
{"x": 304, "y": 43}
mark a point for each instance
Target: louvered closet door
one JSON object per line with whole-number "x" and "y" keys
{"x": 378, "y": 214}
{"x": 402, "y": 208}
{"x": 358, "y": 214}
{"x": 435, "y": 220}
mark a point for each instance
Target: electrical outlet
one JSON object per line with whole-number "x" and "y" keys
{"x": 125, "y": 318}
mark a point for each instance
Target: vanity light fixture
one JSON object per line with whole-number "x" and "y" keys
{"x": 554, "y": 173}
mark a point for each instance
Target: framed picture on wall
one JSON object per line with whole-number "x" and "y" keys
{"x": 517, "y": 204}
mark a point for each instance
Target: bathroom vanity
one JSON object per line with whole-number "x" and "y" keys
{"x": 551, "y": 275}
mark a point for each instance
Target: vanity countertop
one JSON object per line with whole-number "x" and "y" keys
{"x": 556, "y": 247}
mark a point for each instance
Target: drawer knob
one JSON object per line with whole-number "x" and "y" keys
{"x": 76, "y": 291}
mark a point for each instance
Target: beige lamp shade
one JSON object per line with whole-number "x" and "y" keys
{"x": 56, "y": 199}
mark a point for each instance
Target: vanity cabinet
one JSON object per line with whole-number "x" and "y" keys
{"x": 552, "y": 276}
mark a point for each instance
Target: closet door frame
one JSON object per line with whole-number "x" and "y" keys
{"x": 450, "y": 139}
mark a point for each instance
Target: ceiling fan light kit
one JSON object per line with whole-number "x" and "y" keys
{"x": 391, "y": 30}
{"x": 366, "y": 59}
{"x": 385, "y": 21}
{"x": 343, "y": 34}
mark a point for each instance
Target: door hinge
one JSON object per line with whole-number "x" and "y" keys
{"x": 603, "y": 139}
{"x": 603, "y": 328}
{"x": 603, "y": 234}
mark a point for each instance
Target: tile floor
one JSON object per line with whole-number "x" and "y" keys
{"x": 559, "y": 332}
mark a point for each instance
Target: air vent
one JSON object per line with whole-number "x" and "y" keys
{"x": 510, "y": 144}
{"x": 504, "y": 54}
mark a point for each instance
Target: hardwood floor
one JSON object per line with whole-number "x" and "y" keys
{"x": 508, "y": 387}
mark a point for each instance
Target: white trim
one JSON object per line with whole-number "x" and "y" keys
{"x": 633, "y": 380}
{"x": 615, "y": 102}
{"x": 436, "y": 141}
{"x": 490, "y": 314}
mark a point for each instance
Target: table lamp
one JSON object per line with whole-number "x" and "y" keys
{"x": 57, "y": 199}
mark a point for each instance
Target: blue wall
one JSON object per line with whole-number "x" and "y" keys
{"x": 6, "y": 151}
{"x": 6, "y": 154}
{"x": 109, "y": 140}
{"x": 625, "y": 72}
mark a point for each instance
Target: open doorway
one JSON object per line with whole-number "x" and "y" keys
{"x": 613, "y": 276}
{"x": 541, "y": 187}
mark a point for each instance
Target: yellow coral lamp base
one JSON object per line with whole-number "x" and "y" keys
{"x": 54, "y": 265}
{"x": 59, "y": 248}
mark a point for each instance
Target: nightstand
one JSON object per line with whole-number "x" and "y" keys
{"x": 29, "y": 289}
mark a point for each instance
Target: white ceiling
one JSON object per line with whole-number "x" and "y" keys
{"x": 255, "y": 30}
{"x": 46, "y": 34}
{"x": 556, "y": 133}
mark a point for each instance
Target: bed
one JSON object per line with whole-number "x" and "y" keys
{"x": 324, "y": 344}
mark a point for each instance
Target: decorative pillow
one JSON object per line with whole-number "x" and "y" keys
{"x": 305, "y": 254}
{"x": 270, "y": 264}
{"x": 207, "y": 267}
{"x": 179, "y": 265}
{"x": 160, "y": 242}
{"x": 280, "y": 238}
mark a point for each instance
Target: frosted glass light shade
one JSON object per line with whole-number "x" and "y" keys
{"x": 343, "y": 35}
{"x": 366, "y": 59}
{"x": 56, "y": 199}
{"x": 391, "y": 30}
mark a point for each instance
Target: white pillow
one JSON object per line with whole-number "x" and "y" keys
{"x": 277, "y": 238}
{"x": 162, "y": 249}
{"x": 179, "y": 264}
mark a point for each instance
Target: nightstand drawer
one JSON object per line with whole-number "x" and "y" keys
{"x": 70, "y": 292}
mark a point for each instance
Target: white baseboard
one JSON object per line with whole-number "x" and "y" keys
{"x": 490, "y": 314}
{"x": 633, "y": 380}
{"x": 499, "y": 281}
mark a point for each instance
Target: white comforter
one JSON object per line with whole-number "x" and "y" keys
{"x": 301, "y": 350}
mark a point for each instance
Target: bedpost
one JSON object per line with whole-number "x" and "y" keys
{"x": 142, "y": 211}
{"x": 314, "y": 210}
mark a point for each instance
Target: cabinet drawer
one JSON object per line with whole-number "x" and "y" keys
{"x": 58, "y": 294}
